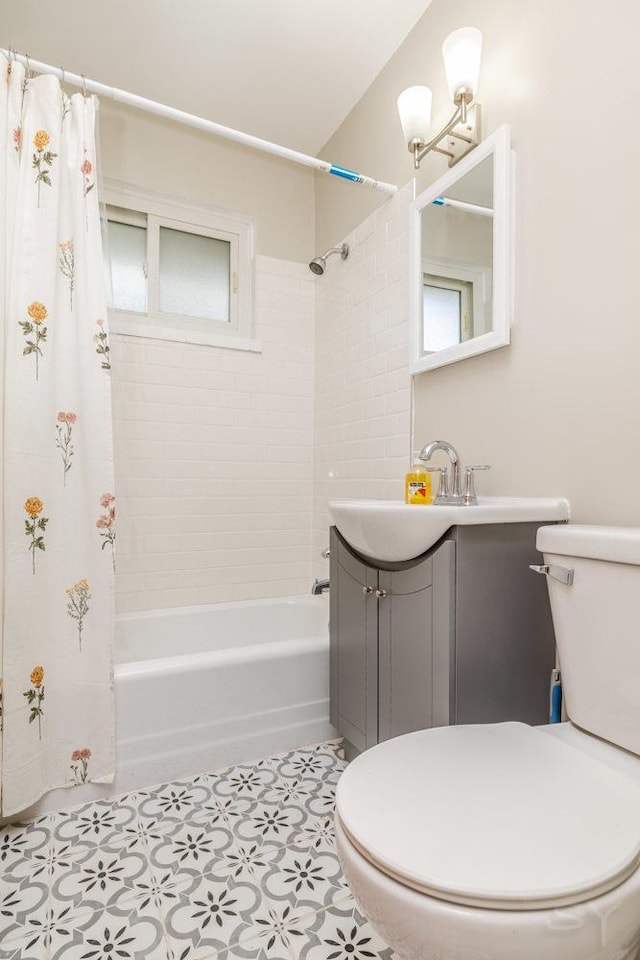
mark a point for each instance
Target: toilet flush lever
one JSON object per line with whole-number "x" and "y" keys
{"x": 563, "y": 574}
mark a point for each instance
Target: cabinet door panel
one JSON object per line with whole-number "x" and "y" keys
{"x": 505, "y": 644}
{"x": 405, "y": 631}
{"x": 354, "y": 648}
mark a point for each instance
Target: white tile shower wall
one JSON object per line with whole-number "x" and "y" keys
{"x": 213, "y": 455}
{"x": 363, "y": 395}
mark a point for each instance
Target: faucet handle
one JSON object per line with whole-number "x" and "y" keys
{"x": 442, "y": 496}
{"x": 470, "y": 498}
{"x": 443, "y": 484}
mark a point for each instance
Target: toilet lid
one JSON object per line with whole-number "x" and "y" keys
{"x": 499, "y": 816}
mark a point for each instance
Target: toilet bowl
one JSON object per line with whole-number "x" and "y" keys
{"x": 508, "y": 842}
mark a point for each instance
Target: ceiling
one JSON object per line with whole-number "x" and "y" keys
{"x": 285, "y": 70}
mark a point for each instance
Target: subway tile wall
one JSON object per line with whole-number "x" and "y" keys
{"x": 226, "y": 461}
{"x": 362, "y": 385}
{"x": 214, "y": 457}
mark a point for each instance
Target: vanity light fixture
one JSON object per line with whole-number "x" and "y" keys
{"x": 461, "y": 54}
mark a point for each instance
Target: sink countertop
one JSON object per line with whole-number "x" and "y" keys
{"x": 393, "y": 531}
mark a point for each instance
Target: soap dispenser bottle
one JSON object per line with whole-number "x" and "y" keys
{"x": 417, "y": 483}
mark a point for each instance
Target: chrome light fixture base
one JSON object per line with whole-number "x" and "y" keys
{"x": 466, "y": 135}
{"x": 461, "y": 134}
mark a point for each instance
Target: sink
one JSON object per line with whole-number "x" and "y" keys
{"x": 390, "y": 531}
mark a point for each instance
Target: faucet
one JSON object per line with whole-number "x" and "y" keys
{"x": 448, "y": 493}
{"x": 319, "y": 586}
{"x": 452, "y": 493}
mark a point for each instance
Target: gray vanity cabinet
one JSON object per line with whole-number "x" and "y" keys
{"x": 462, "y": 634}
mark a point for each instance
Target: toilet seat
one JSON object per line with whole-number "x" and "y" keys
{"x": 499, "y": 816}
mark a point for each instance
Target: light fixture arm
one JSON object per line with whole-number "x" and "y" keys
{"x": 421, "y": 149}
{"x": 460, "y": 135}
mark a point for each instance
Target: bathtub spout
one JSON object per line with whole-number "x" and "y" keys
{"x": 319, "y": 586}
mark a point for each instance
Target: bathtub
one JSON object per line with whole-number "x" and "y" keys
{"x": 198, "y": 688}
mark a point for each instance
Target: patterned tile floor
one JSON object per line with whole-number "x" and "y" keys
{"x": 234, "y": 865}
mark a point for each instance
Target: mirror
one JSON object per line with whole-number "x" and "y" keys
{"x": 461, "y": 258}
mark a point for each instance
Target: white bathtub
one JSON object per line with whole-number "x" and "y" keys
{"x": 198, "y": 688}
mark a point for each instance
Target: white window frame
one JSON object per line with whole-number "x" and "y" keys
{"x": 205, "y": 221}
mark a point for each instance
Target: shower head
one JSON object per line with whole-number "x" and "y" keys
{"x": 318, "y": 264}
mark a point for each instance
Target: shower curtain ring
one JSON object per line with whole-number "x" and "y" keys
{"x": 61, "y": 76}
{"x": 28, "y": 73}
{"x": 84, "y": 85}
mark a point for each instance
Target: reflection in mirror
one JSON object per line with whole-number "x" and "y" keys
{"x": 457, "y": 256}
{"x": 459, "y": 231}
{"x": 446, "y": 304}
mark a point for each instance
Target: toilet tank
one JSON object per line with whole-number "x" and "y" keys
{"x": 597, "y": 626}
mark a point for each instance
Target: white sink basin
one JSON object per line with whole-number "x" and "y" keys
{"x": 386, "y": 530}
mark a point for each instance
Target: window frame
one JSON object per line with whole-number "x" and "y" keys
{"x": 201, "y": 220}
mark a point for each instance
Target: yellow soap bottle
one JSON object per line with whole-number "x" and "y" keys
{"x": 417, "y": 484}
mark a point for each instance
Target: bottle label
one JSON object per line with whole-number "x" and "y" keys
{"x": 417, "y": 491}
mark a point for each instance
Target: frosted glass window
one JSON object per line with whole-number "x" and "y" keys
{"x": 128, "y": 256}
{"x": 180, "y": 273}
{"x": 442, "y": 312}
{"x": 194, "y": 275}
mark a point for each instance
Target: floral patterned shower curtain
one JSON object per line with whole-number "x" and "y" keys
{"x": 58, "y": 525}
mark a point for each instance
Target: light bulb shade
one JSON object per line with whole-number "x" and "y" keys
{"x": 414, "y": 107}
{"x": 461, "y": 52}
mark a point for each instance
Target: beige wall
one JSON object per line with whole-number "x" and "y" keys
{"x": 557, "y": 411}
{"x": 159, "y": 155}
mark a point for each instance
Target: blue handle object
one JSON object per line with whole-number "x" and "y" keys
{"x": 438, "y": 202}
{"x": 346, "y": 174}
{"x": 555, "y": 698}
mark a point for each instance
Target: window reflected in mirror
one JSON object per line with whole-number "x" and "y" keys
{"x": 448, "y": 303}
{"x": 457, "y": 261}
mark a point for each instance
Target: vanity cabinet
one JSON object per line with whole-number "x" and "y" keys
{"x": 461, "y": 634}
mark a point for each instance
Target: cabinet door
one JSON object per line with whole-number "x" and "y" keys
{"x": 505, "y": 644}
{"x": 354, "y": 647}
{"x": 405, "y": 633}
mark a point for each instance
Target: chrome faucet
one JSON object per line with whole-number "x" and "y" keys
{"x": 449, "y": 492}
{"x": 319, "y": 586}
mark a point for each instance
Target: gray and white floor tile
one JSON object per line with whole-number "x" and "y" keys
{"x": 238, "y": 864}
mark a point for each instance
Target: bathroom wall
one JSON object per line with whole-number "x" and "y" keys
{"x": 223, "y": 507}
{"x": 158, "y": 155}
{"x": 213, "y": 456}
{"x": 362, "y": 388}
{"x": 557, "y": 411}
{"x": 213, "y": 447}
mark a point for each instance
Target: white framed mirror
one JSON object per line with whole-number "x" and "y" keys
{"x": 462, "y": 258}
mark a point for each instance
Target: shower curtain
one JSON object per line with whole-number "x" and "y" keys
{"x": 58, "y": 524}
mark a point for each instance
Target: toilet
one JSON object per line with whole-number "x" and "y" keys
{"x": 510, "y": 842}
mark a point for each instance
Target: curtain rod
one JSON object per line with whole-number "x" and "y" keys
{"x": 190, "y": 120}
